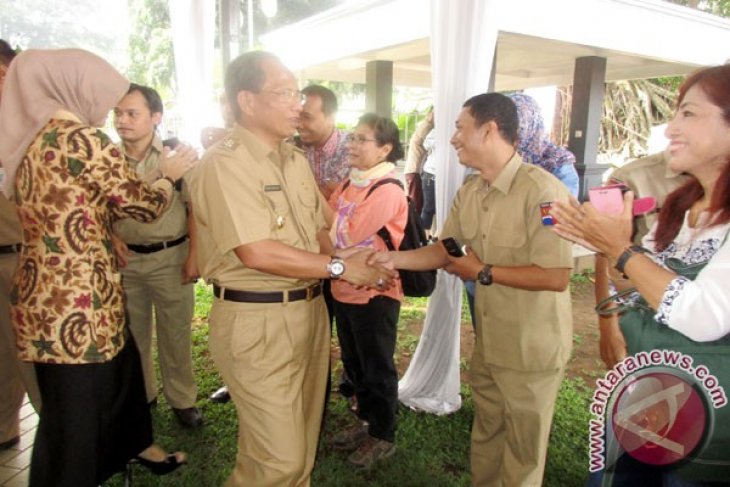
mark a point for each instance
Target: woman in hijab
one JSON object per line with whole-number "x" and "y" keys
{"x": 536, "y": 148}
{"x": 69, "y": 183}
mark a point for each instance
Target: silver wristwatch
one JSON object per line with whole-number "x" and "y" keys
{"x": 336, "y": 268}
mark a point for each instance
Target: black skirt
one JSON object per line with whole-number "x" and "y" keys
{"x": 94, "y": 419}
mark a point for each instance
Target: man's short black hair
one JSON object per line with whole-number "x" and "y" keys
{"x": 498, "y": 108}
{"x": 151, "y": 97}
{"x": 329, "y": 100}
{"x": 245, "y": 73}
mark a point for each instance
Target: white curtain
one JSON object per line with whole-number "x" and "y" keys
{"x": 463, "y": 40}
{"x": 193, "y": 36}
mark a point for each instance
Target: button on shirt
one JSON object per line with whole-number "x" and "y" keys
{"x": 501, "y": 222}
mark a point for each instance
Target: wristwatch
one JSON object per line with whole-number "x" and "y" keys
{"x": 336, "y": 268}
{"x": 628, "y": 252}
{"x": 485, "y": 275}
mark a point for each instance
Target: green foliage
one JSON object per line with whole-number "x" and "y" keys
{"x": 715, "y": 7}
{"x": 52, "y": 25}
{"x": 150, "y": 46}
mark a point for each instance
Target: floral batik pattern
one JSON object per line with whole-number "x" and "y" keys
{"x": 67, "y": 300}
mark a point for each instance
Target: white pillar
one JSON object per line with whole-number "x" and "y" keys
{"x": 193, "y": 31}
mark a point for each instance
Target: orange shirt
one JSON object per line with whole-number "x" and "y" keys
{"x": 358, "y": 218}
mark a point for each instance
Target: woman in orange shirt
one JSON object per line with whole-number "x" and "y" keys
{"x": 367, "y": 318}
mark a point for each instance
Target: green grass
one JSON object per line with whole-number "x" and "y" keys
{"x": 432, "y": 450}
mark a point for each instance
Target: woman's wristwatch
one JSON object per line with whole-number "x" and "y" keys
{"x": 623, "y": 259}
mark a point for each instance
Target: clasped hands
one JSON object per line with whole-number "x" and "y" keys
{"x": 362, "y": 272}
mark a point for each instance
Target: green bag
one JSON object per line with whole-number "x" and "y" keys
{"x": 643, "y": 333}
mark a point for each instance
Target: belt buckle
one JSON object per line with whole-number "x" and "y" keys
{"x": 310, "y": 292}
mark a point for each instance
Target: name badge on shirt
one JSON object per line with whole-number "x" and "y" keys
{"x": 272, "y": 187}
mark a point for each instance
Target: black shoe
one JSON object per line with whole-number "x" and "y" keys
{"x": 189, "y": 417}
{"x": 168, "y": 465}
{"x": 6, "y": 445}
{"x": 221, "y": 396}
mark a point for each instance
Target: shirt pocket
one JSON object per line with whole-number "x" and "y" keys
{"x": 505, "y": 245}
{"x": 308, "y": 198}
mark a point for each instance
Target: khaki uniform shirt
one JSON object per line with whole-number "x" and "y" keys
{"x": 172, "y": 224}
{"x": 9, "y": 224}
{"x": 649, "y": 176}
{"x": 244, "y": 192}
{"x": 501, "y": 222}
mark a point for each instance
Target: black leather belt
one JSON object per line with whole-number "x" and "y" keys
{"x": 156, "y": 247}
{"x": 238, "y": 296}
{"x": 10, "y": 249}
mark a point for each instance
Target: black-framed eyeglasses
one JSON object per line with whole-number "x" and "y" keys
{"x": 287, "y": 95}
{"x": 358, "y": 139}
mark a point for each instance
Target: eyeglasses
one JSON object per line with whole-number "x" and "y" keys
{"x": 287, "y": 95}
{"x": 357, "y": 139}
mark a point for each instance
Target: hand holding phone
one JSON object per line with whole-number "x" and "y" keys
{"x": 453, "y": 247}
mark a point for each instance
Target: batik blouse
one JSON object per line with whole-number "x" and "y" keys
{"x": 67, "y": 304}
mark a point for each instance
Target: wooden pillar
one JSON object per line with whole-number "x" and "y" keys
{"x": 585, "y": 120}
{"x": 379, "y": 87}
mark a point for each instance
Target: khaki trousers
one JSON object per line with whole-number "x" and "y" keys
{"x": 274, "y": 358}
{"x": 16, "y": 376}
{"x": 513, "y": 411}
{"x": 154, "y": 282}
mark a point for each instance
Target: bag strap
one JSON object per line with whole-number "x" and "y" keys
{"x": 383, "y": 232}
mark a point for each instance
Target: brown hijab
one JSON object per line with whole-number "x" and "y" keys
{"x": 40, "y": 82}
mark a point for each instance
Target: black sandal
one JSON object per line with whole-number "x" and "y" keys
{"x": 168, "y": 465}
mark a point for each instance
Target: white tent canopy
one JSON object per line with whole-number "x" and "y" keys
{"x": 537, "y": 41}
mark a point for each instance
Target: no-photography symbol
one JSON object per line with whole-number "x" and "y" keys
{"x": 659, "y": 418}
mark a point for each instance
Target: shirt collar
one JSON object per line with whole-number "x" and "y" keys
{"x": 260, "y": 149}
{"x": 504, "y": 180}
{"x": 155, "y": 146}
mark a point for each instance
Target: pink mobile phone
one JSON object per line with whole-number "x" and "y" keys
{"x": 607, "y": 200}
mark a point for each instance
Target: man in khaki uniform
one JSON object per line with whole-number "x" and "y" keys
{"x": 156, "y": 263}
{"x": 16, "y": 377}
{"x": 523, "y": 311}
{"x": 260, "y": 225}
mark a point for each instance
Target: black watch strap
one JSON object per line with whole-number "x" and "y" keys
{"x": 629, "y": 252}
{"x": 485, "y": 275}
